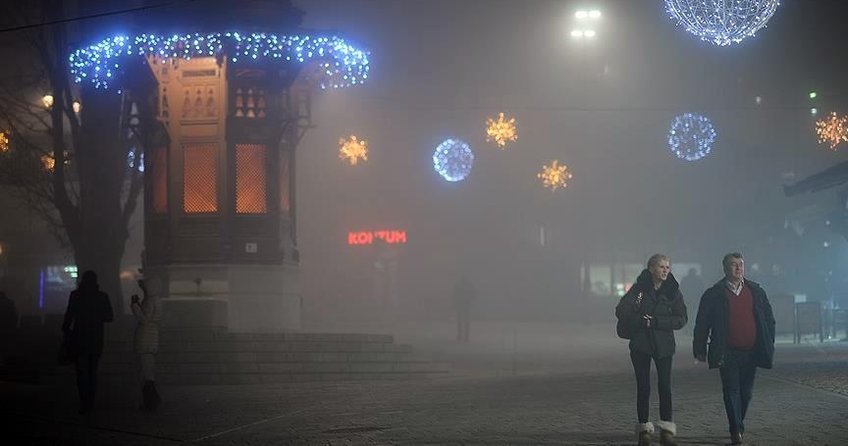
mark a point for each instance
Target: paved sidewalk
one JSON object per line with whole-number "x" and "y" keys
{"x": 800, "y": 402}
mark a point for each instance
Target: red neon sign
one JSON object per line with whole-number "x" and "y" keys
{"x": 393, "y": 237}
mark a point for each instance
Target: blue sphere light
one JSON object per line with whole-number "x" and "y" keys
{"x": 341, "y": 64}
{"x": 453, "y": 159}
{"x": 722, "y": 22}
{"x": 691, "y": 136}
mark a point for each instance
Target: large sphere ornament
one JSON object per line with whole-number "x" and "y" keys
{"x": 722, "y": 22}
{"x": 453, "y": 159}
{"x": 691, "y": 136}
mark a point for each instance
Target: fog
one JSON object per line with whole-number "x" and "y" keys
{"x": 439, "y": 69}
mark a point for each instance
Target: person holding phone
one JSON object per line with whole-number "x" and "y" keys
{"x": 148, "y": 313}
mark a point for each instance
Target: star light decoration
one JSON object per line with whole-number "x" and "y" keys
{"x": 340, "y": 63}
{"x": 832, "y": 130}
{"x": 501, "y": 130}
{"x": 4, "y": 142}
{"x": 722, "y": 22}
{"x": 554, "y": 176}
{"x": 353, "y": 149}
{"x": 691, "y": 136}
{"x": 453, "y": 159}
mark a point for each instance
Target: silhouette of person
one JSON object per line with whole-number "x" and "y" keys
{"x": 8, "y": 325}
{"x": 463, "y": 295}
{"x": 88, "y": 309}
{"x": 692, "y": 287}
{"x": 148, "y": 313}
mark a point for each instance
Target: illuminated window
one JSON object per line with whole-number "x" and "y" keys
{"x": 285, "y": 201}
{"x": 200, "y": 192}
{"x": 250, "y": 179}
{"x": 160, "y": 180}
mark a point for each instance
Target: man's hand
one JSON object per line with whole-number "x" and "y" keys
{"x": 134, "y": 298}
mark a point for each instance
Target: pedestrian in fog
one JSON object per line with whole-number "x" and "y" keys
{"x": 648, "y": 314}
{"x": 8, "y": 325}
{"x": 88, "y": 309}
{"x": 463, "y": 296}
{"x": 148, "y": 313}
{"x": 734, "y": 332}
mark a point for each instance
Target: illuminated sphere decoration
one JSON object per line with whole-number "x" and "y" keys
{"x": 453, "y": 159}
{"x": 554, "y": 176}
{"x": 340, "y": 63}
{"x": 691, "y": 136}
{"x": 4, "y": 142}
{"x": 501, "y": 131}
{"x": 353, "y": 149}
{"x": 722, "y": 22}
{"x": 832, "y": 130}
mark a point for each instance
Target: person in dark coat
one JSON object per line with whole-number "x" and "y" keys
{"x": 734, "y": 332}
{"x": 88, "y": 309}
{"x": 651, "y": 310}
{"x": 463, "y": 296}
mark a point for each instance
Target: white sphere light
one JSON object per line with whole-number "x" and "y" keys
{"x": 722, "y": 22}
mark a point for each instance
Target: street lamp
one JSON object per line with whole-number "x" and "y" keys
{"x": 47, "y": 100}
{"x": 586, "y": 22}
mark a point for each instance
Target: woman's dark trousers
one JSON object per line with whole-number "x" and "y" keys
{"x": 642, "y": 367}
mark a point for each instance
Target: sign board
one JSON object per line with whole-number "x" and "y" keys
{"x": 808, "y": 319}
{"x": 392, "y": 237}
{"x": 783, "y": 306}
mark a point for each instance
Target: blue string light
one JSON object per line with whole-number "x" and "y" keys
{"x": 722, "y": 22}
{"x": 453, "y": 159}
{"x": 691, "y": 136}
{"x": 341, "y": 64}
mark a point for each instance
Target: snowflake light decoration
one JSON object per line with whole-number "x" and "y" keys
{"x": 4, "y": 142}
{"x": 722, "y": 22}
{"x": 340, "y": 63}
{"x": 832, "y": 130}
{"x": 353, "y": 149}
{"x": 453, "y": 159}
{"x": 554, "y": 176}
{"x": 501, "y": 130}
{"x": 691, "y": 136}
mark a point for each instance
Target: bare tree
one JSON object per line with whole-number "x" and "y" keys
{"x": 69, "y": 164}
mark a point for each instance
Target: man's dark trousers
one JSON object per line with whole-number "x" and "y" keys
{"x": 737, "y": 385}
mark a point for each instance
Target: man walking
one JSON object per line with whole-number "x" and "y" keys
{"x": 736, "y": 316}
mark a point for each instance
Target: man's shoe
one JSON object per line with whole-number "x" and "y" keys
{"x": 736, "y": 438}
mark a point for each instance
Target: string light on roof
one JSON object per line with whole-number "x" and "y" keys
{"x": 722, "y": 22}
{"x": 691, "y": 136}
{"x": 341, "y": 64}
{"x": 554, "y": 176}
{"x": 4, "y": 142}
{"x": 501, "y": 131}
{"x": 353, "y": 149}
{"x": 453, "y": 160}
{"x": 832, "y": 130}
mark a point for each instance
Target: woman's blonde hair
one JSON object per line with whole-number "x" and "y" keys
{"x": 657, "y": 258}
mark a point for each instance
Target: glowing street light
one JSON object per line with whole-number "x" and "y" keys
{"x": 585, "y": 26}
{"x": 47, "y": 100}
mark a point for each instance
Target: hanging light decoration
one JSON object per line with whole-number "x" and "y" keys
{"x": 340, "y": 63}
{"x": 501, "y": 130}
{"x": 722, "y": 22}
{"x": 453, "y": 159}
{"x": 554, "y": 176}
{"x": 691, "y": 136}
{"x": 353, "y": 149}
{"x": 832, "y": 130}
{"x": 4, "y": 142}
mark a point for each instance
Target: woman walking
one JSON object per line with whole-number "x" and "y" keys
{"x": 648, "y": 315}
